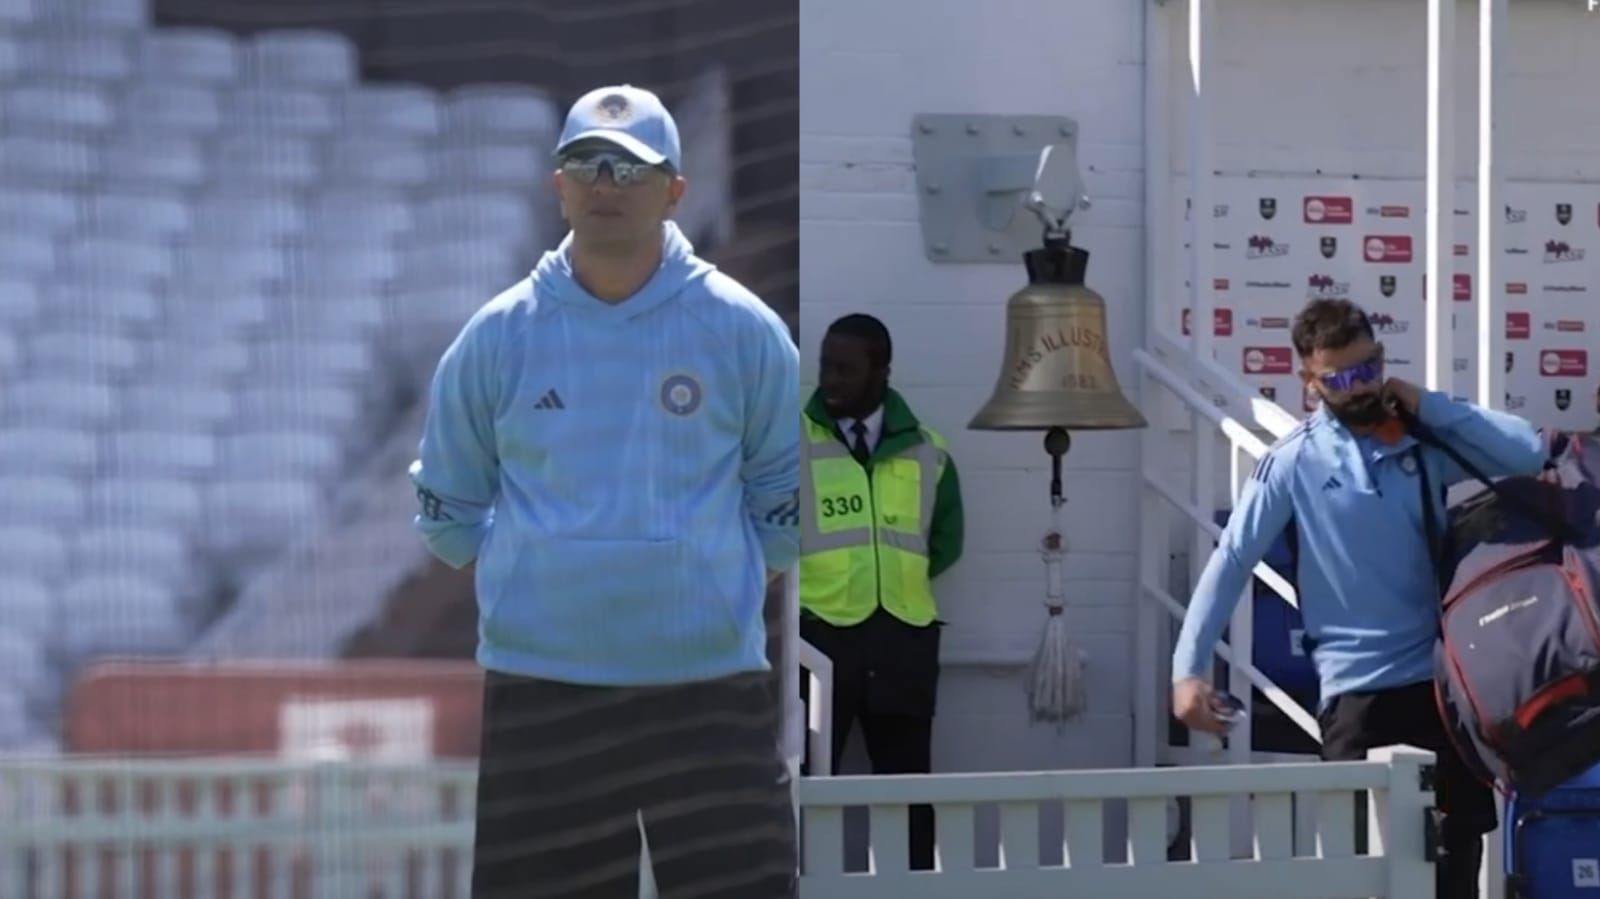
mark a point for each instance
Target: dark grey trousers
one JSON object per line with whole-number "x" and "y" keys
{"x": 565, "y": 772}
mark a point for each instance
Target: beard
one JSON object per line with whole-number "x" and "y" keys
{"x": 1362, "y": 411}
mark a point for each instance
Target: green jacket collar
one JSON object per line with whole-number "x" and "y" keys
{"x": 901, "y": 428}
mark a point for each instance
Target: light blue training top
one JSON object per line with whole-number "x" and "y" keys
{"x": 1365, "y": 577}
{"x": 623, "y": 474}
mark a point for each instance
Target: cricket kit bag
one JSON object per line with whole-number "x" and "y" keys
{"x": 1517, "y": 668}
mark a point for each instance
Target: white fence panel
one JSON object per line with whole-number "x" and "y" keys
{"x": 1396, "y": 865}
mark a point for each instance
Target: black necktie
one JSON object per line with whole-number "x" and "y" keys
{"x": 859, "y": 448}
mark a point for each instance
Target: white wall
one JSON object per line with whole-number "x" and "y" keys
{"x": 867, "y": 67}
{"x": 1341, "y": 86}
{"x": 1335, "y": 85}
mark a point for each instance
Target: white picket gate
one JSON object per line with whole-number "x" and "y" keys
{"x": 1396, "y": 865}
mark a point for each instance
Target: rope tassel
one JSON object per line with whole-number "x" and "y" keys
{"x": 1056, "y": 679}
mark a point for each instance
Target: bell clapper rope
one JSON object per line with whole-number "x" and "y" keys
{"x": 1054, "y": 545}
{"x": 1056, "y": 684}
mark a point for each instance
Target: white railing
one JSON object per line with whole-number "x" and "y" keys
{"x": 266, "y": 829}
{"x": 1396, "y": 865}
{"x": 239, "y": 828}
{"x": 808, "y": 729}
{"x": 1177, "y": 408}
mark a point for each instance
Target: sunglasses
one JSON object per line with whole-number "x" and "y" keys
{"x": 1351, "y": 376}
{"x": 624, "y": 170}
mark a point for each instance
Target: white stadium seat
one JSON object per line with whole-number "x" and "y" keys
{"x": 170, "y": 501}
{"x": 37, "y": 210}
{"x": 43, "y": 499}
{"x": 507, "y": 112}
{"x": 173, "y": 109}
{"x": 35, "y": 551}
{"x": 164, "y": 158}
{"x": 321, "y": 59}
{"x": 54, "y": 399}
{"x": 189, "y": 55}
{"x": 82, "y": 108}
{"x": 121, "y": 614}
{"x": 89, "y": 55}
{"x": 27, "y": 607}
{"x": 48, "y": 450}
{"x": 400, "y": 109}
{"x": 151, "y": 452}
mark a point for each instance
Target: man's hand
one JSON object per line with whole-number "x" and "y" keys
{"x": 1404, "y": 394}
{"x": 1195, "y": 704}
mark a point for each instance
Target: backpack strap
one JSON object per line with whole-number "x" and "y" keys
{"x": 1548, "y": 518}
{"x": 1431, "y": 529}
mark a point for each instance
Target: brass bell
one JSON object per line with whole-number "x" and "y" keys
{"x": 1057, "y": 371}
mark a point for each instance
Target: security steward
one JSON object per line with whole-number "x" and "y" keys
{"x": 881, "y": 517}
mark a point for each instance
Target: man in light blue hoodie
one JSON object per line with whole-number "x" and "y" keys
{"x": 614, "y": 443}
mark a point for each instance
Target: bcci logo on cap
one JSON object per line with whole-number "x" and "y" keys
{"x": 681, "y": 395}
{"x": 613, "y": 108}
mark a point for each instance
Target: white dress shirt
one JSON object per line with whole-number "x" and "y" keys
{"x": 874, "y": 423}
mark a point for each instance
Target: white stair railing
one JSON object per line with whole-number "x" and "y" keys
{"x": 1187, "y": 395}
{"x": 1203, "y": 417}
{"x": 808, "y": 728}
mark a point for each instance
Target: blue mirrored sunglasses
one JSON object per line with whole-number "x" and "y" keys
{"x": 1353, "y": 375}
{"x": 624, "y": 170}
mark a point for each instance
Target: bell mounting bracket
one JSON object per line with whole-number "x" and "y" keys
{"x": 986, "y": 184}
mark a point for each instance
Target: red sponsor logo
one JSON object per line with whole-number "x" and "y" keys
{"x": 1461, "y": 249}
{"x": 1519, "y": 325}
{"x": 1219, "y": 283}
{"x": 1564, "y": 363}
{"x": 1268, "y": 360}
{"x": 1517, "y": 287}
{"x": 1221, "y": 321}
{"x": 1386, "y": 247}
{"x": 1394, "y": 212}
{"x": 1570, "y": 326}
{"x": 1273, "y": 323}
{"x": 1323, "y": 210}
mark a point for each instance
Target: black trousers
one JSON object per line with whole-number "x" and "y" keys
{"x": 1356, "y": 722}
{"x": 566, "y": 772}
{"x": 885, "y": 677}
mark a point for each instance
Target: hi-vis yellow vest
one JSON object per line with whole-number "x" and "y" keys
{"x": 864, "y": 541}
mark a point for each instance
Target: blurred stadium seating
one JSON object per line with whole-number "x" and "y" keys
{"x": 227, "y": 265}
